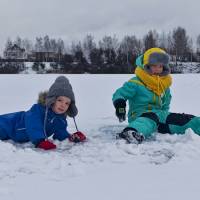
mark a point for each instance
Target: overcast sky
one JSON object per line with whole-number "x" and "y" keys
{"x": 73, "y": 20}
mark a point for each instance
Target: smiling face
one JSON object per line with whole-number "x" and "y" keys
{"x": 156, "y": 69}
{"x": 61, "y": 105}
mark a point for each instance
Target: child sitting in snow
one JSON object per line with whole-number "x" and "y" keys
{"x": 44, "y": 119}
{"x": 149, "y": 99}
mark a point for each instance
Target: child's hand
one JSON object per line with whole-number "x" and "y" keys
{"x": 46, "y": 145}
{"x": 120, "y": 106}
{"x": 77, "y": 137}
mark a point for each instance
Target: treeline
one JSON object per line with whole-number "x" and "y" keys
{"x": 111, "y": 55}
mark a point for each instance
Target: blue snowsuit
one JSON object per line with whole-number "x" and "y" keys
{"x": 33, "y": 125}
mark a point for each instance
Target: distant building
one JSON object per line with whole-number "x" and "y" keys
{"x": 14, "y": 52}
{"x": 44, "y": 56}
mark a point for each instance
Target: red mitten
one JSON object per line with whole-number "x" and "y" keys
{"x": 46, "y": 145}
{"x": 77, "y": 137}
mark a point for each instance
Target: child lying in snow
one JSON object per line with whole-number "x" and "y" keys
{"x": 44, "y": 119}
{"x": 149, "y": 99}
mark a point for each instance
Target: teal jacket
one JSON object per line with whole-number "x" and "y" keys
{"x": 142, "y": 100}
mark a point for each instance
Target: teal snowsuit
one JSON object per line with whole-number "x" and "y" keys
{"x": 149, "y": 113}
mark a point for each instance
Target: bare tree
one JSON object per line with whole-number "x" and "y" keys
{"x": 130, "y": 44}
{"x": 39, "y": 44}
{"x": 8, "y": 44}
{"x": 109, "y": 42}
{"x": 189, "y": 51}
{"x": 77, "y": 51}
{"x": 150, "y": 40}
{"x": 60, "y": 48}
{"x": 163, "y": 41}
{"x": 88, "y": 46}
{"x": 27, "y": 45}
{"x": 109, "y": 45}
{"x": 18, "y": 41}
{"x": 53, "y": 45}
{"x": 131, "y": 47}
{"x": 180, "y": 43}
{"x": 198, "y": 43}
{"x": 47, "y": 44}
{"x": 75, "y": 46}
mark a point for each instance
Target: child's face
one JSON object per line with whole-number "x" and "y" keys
{"x": 61, "y": 105}
{"x": 156, "y": 69}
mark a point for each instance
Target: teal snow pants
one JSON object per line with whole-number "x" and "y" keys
{"x": 174, "y": 123}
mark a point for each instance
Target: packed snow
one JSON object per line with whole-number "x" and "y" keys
{"x": 103, "y": 168}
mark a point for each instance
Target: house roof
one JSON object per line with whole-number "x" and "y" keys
{"x": 14, "y": 48}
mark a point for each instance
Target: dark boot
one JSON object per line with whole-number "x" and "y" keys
{"x": 131, "y": 135}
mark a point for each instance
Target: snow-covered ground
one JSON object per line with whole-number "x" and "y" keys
{"x": 29, "y": 68}
{"x": 168, "y": 167}
{"x": 183, "y": 67}
{"x": 189, "y": 67}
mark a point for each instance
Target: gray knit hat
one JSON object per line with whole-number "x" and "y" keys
{"x": 62, "y": 87}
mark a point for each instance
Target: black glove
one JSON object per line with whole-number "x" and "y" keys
{"x": 120, "y": 106}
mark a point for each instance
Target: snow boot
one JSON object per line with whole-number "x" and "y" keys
{"x": 131, "y": 135}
